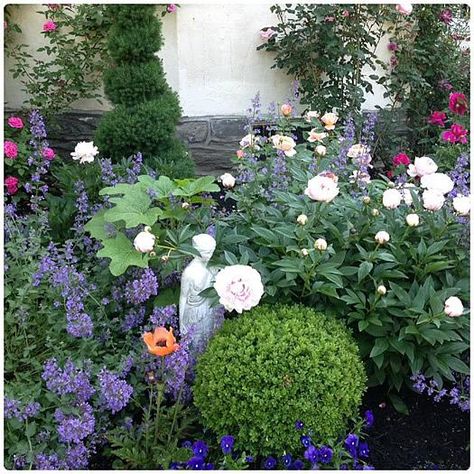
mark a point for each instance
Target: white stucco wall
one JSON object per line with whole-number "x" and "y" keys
{"x": 209, "y": 56}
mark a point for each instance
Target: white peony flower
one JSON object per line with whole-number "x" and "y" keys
{"x": 314, "y": 136}
{"x": 239, "y": 287}
{"x": 432, "y": 200}
{"x": 381, "y": 290}
{"x": 302, "y": 219}
{"x": 329, "y": 119}
{"x": 322, "y": 188}
{"x": 406, "y": 191}
{"x": 422, "y": 166}
{"x": 438, "y": 182}
{"x": 413, "y": 220}
{"x": 85, "y": 152}
{"x": 391, "y": 198}
{"x": 320, "y": 150}
{"x": 249, "y": 141}
{"x": 286, "y": 144}
{"x": 462, "y": 205}
{"x": 227, "y": 180}
{"x": 144, "y": 241}
{"x": 382, "y": 237}
{"x": 320, "y": 244}
{"x": 453, "y": 307}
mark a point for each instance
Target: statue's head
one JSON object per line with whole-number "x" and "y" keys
{"x": 205, "y": 244}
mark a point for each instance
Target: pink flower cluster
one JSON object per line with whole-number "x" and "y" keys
{"x": 11, "y": 182}
{"x": 171, "y": 8}
{"x": 49, "y": 26}
{"x": 437, "y": 118}
{"x": 15, "y": 122}
{"x": 10, "y": 149}
{"x": 457, "y": 134}
{"x": 458, "y": 103}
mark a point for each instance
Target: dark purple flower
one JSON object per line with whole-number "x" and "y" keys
{"x": 298, "y": 465}
{"x": 270, "y": 463}
{"x": 351, "y": 443}
{"x": 249, "y": 459}
{"x": 187, "y": 444}
{"x": 227, "y": 444}
{"x": 196, "y": 463}
{"x": 200, "y": 448}
{"x": 325, "y": 454}
{"x": 369, "y": 418}
{"x": 299, "y": 425}
{"x": 312, "y": 454}
{"x": 305, "y": 441}
{"x": 363, "y": 450}
{"x": 286, "y": 460}
{"x": 45, "y": 462}
{"x": 164, "y": 316}
{"x": 208, "y": 466}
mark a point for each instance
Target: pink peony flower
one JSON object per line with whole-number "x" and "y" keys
{"x": 239, "y": 287}
{"x": 456, "y": 134}
{"x": 267, "y": 34}
{"x": 11, "y": 182}
{"x": 49, "y": 26}
{"x": 404, "y": 8}
{"x": 171, "y": 8}
{"x": 15, "y": 122}
{"x": 446, "y": 16}
{"x": 458, "y": 103}
{"x": 401, "y": 159}
{"x": 322, "y": 187}
{"x": 10, "y": 149}
{"x": 48, "y": 153}
{"x": 437, "y": 118}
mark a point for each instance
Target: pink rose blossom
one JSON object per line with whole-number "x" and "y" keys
{"x": 404, "y": 8}
{"x": 49, "y": 26}
{"x": 239, "y": 287}
{"x": 401, "y": 159}
{"x": 171, "y": 8}
{"x": 267, "y": 34}
{"x": 48, "y": 153}
{"x": 15, "y": 122}
{"x": 10, "y": 149}
{"x": 437, "y": 118}
{"x": 458, "y": 103}
{"x": 457, "y": 134}
{"x": 11, "y": 182}
{"x": 286, "y": 109}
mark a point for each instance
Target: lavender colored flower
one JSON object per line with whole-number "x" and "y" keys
{"x": 73, "y": 429}
{"x": 19, "y": 462}
{"x": 133, "y": 318}
{"x": 140, "y": 290}
{"x": 312, "y": 454}
{"x": 200, "y": 448}
{"x": 108, "y": 176}
{"x": 270, "y": 463}
{"x": 227, "y": 444}
{"x": 164, "y": 316}
{"x": 196, "y": 463}
{"x": 45, "y": 462}
{"x": 461, "y": 176}
{"x": 115, "y": 393}
{"x": 30, "y": 411}
{"x": 11, "y": 408}
{"x": 77, "y": 456}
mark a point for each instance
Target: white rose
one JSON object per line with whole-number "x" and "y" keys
{"x": 85, "y": 152}
{"x": 381, "y": 290}
{"x": 406, "y": 193}
{"x": 462, "y": 205}
{"x": 228, "y": 181}
{"x": 310, "y": 115}
{"x": 302, "y": 219}
{"x": 432, "y": 200}
{"x": 329, "y": 119}
{"x": 314, "y": 136}
{"x": 144, "y": 241}
{"x": 322, "y": 188}
{"x": 422, "y": 166}
{"x": 413, "y": 220}
{"x": 320, "y": 150}
{"x": 286, "y": 144}
{"x": 249, "y": 141}
{"x": 453, "y": 307}
{"x": 391, "y": 198}
{"x": 439, "y": 182}
{"x": 320, "y": 244}
{"x": 239, "y": 287}
{"x": 304, "y": 252}
{"x": 382, "y": 237}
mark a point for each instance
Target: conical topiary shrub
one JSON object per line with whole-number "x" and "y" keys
{"x": 146, "y": 109}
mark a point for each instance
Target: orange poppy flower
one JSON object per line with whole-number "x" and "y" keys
{"x": 161, "y": 342}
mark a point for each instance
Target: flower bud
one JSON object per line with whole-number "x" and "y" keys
{"x": 381, "y": 290}
{"x": 366, "y": 200}
{"x": 144, "y": 241}
{"x": 413, "y": 220}
{"x": 286, "y": 110}
{"x": 152, "y": 254}
{"x": 320, "y": 150}
{"x": 391, "y": 198}
{"x": 375, "y": 212}
{"x": 382, "y": 237}
{"x": 302, "y": 219}
{"x": 453, "y": 307}
{"x": 240, "y": 154}
{"x": 304, "y": 252}
{"x": 228, "y": 181}
{"x": 320, "y": 245}
{"x": 185, "y": 205}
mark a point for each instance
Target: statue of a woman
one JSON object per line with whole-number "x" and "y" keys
{"x": 195, "y": 310}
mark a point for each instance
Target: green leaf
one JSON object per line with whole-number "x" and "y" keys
{"x": 398, "y": 403}
{"x": 364, "y": 269}
{"x": 99, "y": 228}
{"x": 380, "y": 346}
{"x": 167, "y": 297}
{"x": 457, "y": 365}
{"x": 122, "y": 254}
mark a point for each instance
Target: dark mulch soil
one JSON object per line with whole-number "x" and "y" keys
{"x": 432, "y": 436}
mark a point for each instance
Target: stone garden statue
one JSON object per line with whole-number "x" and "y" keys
{"x": 195, "y": 310}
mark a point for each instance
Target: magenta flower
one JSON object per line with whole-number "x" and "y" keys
{"x": 49, "y": 26}
{"x": 10, "y": 149}
{"x": 48, "y": 153}
{"x": 401, "y": 159}
{"x": 11, "y": 182}
{"x": 171, "y": 8}
{"x": 458, "y": 103}
{"x": 446, "y": 16}
{"x": 457, "y": 134}
{"x": 437, "y": 118}
{"x": 392, "y": 46}
{"x": 15, "y": 122}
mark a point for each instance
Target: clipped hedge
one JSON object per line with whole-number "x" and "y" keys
{"x": 273, "y": 366}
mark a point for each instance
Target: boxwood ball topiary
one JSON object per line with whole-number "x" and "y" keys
{"x": 273, "y": 366}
